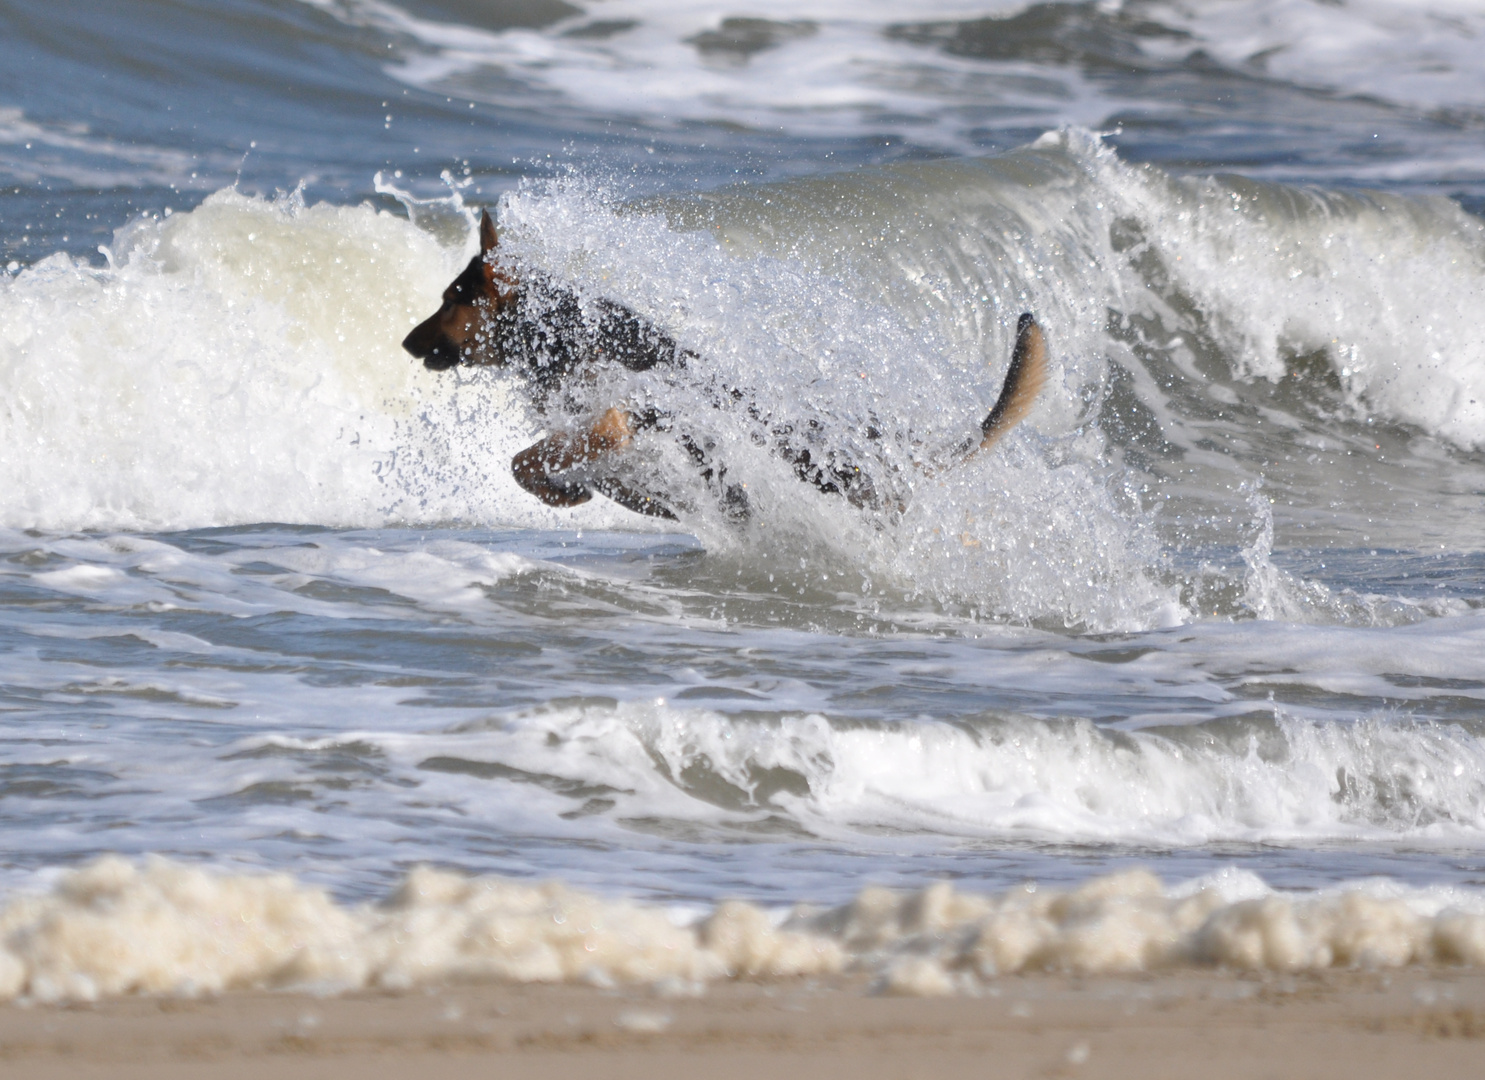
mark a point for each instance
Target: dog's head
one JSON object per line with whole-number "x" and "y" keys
{"x": 463, "y": 330}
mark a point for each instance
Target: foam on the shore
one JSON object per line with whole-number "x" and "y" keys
{"x": 160, "y": 927}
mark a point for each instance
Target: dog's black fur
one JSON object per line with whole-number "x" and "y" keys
{"x": 491, "y": 317}
{"x": 544, "y": 331}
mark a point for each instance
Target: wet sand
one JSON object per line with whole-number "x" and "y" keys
{"x": 1414, "y": 1022}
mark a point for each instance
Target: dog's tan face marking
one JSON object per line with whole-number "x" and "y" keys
{"x": 461, "y": 331}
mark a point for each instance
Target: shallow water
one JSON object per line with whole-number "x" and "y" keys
{"x": 271, "y": 601}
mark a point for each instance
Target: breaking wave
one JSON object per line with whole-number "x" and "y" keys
{"x": 239, "y": 363}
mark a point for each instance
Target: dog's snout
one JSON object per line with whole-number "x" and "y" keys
{"x": 424, "y": 338}
{"x": 430, "y": 344}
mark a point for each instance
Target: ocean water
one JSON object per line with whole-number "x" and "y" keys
{"x": 1189, "y": 669}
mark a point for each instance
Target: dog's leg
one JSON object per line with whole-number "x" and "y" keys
{"x": 630, "y": 499}
{"x": 532, "y": 468}
{"x": 538, "y": 468}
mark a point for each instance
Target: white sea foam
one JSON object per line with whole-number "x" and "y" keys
{"x": 844, "y": 77}
{"x": 847, "y": 77}
{"x": 240, "y": 363}
{"x": 1389, "y": 289}
{"x": 159, "y": 927}
{"x": 350, "y": 703}
{"x": 1403, "y": 51}
{"x": 1249, "y": 778}
{"x": 849, "y": 317}
{"x": 356, "y": 701}
{"x": 34, "y": 152}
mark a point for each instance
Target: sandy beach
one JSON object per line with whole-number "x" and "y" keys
{"x": 1423, "y": 1022}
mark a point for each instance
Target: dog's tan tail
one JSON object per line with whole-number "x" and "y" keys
{"x": 1023, "y": 383}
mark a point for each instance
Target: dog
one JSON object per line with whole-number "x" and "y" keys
{"x": 492, "y": 315}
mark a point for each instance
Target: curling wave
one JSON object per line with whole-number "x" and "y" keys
{"x": 238, "y": 363}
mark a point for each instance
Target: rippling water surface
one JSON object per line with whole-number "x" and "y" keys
{"x": 269, "y": 599}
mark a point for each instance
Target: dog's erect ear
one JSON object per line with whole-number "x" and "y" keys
{"x": 488, "y": 236}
